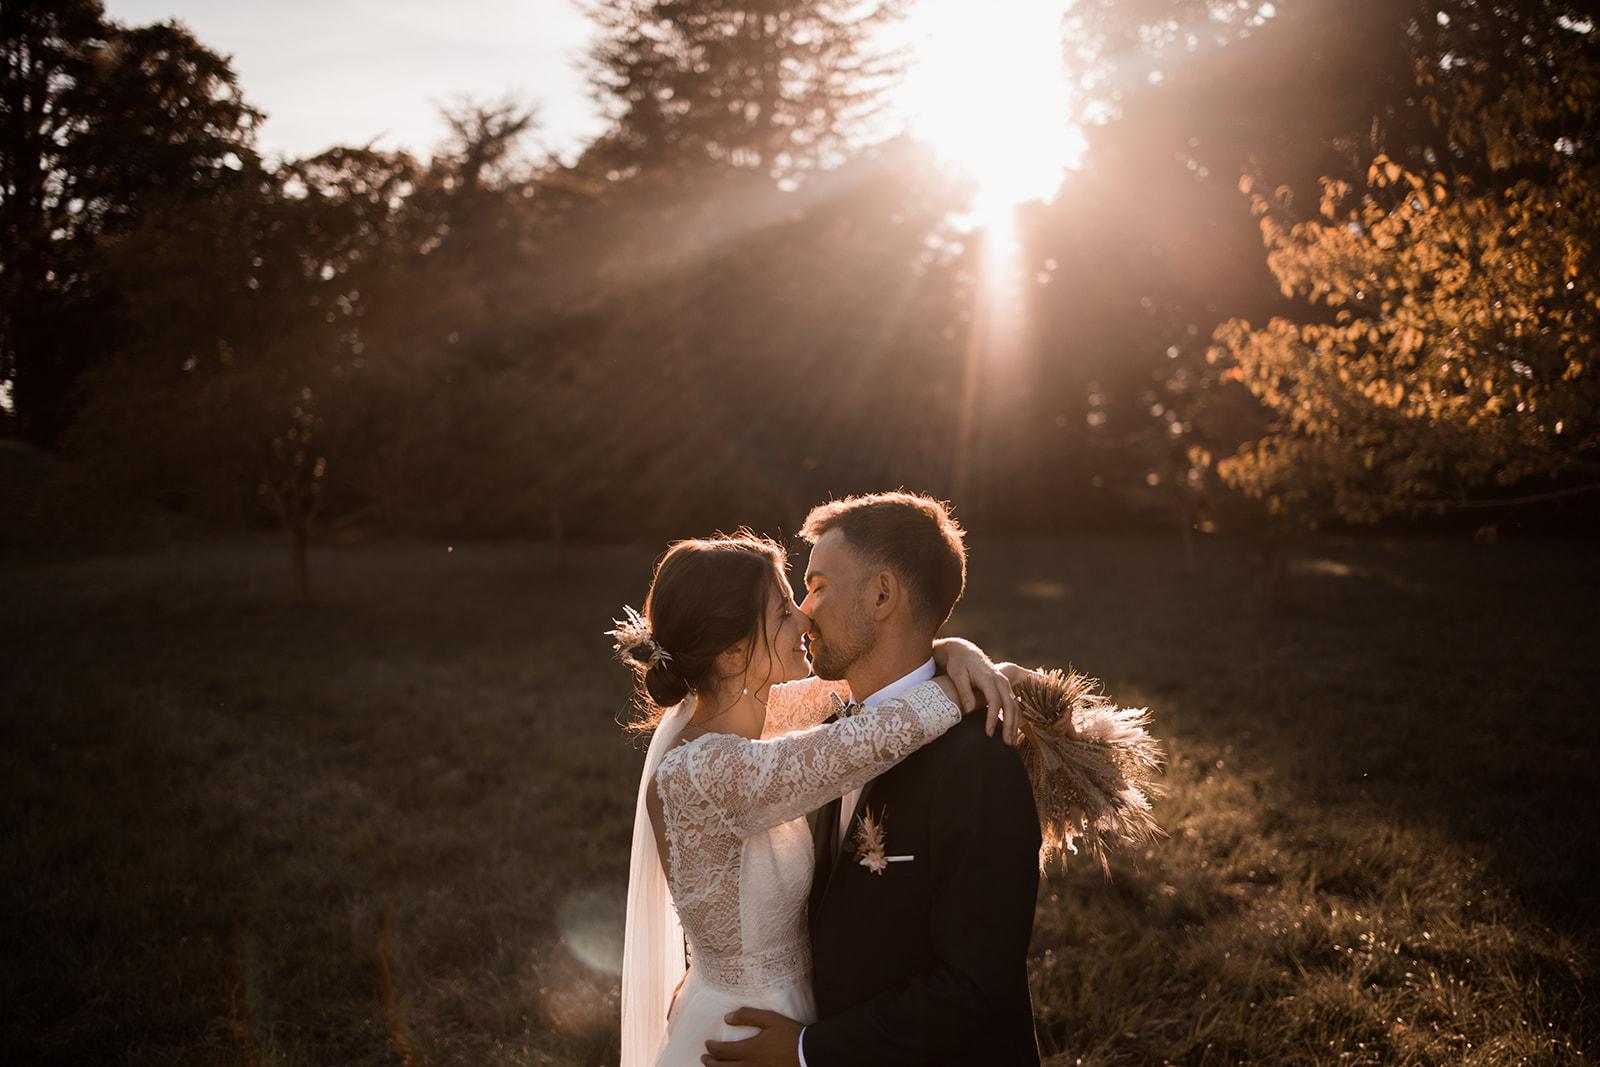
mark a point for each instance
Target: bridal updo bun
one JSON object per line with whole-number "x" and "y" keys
{"x": 663, "y": 684}
{"x": 707, "y": 595}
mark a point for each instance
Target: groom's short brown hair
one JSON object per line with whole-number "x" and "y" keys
{"x": 913, "y": 535}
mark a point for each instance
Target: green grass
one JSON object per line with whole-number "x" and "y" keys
{"x": 1381, "y": 804}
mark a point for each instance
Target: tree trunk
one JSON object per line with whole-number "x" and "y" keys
{"x": 1186, "y": 518}
{"x": 299, "y": 536}
{"x": 1274, "y": 574}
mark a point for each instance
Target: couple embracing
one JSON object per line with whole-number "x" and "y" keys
{"x": 835, "y": 868}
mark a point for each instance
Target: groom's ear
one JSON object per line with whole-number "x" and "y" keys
{"x": 885, "y": 594}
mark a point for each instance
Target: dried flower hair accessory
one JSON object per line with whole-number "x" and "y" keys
{"x": 634, "y": 641}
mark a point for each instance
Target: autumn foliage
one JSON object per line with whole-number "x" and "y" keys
{"x": 1446, "y": 353}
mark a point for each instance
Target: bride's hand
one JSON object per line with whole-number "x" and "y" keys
{"x": 971, "y": 672}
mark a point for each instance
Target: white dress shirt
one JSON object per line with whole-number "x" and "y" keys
{"x": 847, "y": 805}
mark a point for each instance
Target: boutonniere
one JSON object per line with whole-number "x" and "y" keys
{"x": 869, "y": 842}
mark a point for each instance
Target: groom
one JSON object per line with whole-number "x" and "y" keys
{"x": 919, "y": 947}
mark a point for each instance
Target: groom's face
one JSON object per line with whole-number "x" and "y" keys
{"x": 837, "y": 599}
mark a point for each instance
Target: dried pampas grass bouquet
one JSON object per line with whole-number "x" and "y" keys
{"x": 1092, "y": 764}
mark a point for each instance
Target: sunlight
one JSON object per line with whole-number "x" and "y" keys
{"x": 993, "y": 336}
{"x": 987, "y": 89}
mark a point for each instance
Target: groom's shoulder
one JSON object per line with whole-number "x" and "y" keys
{"x": 973, "y": 771}
{"x": 979, "y": 773}
{"x": 967, "y": 742}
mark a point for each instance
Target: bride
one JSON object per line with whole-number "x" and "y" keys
{"x": 722, "y": 851}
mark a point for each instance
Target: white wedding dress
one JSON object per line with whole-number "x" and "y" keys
{"x": 740, "y": 861}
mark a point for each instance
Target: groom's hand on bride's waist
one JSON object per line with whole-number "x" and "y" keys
{"x": 778, "y": 1043}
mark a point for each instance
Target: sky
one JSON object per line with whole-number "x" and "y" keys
{"x": 332, "y": 72}
{"x": 985, "y": 85}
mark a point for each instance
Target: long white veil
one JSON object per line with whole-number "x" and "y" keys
{"x": 652, "y": 949}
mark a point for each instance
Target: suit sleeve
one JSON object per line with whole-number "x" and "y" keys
{"x": 985, "y": 848}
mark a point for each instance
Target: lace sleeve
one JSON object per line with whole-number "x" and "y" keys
{"x": 797, "y": 705}
{"x": 754, "y": 785}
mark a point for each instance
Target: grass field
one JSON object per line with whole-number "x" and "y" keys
{"x": 394, "y": 827}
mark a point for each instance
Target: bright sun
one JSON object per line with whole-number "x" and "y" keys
{"x": 986, "y": 88}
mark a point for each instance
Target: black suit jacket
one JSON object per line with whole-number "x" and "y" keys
{"x": 926, "y": 963}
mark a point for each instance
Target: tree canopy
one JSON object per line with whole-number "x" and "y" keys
{"x": 101, "y": 122}
{"x": 1451, "y": 350}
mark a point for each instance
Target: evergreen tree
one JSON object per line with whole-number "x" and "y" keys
{"x": 771, "y": 86}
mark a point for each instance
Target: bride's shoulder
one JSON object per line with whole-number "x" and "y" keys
{"x": 809, "y": 686}
{"x": 804, "y": 703}
{"x": 695, "y": 752}
{"x": 707, "y": 767}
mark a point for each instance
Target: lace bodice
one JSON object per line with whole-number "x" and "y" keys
{"x": 739, "y": 852}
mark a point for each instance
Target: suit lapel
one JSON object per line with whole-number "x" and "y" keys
{"x": 825, "y": 835}
{"x": 855, "y": 817}
{"x": 839, "y": 847}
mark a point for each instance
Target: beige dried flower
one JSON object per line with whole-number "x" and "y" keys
{"x": 634, "y": 641}
{"x": 1092, "y": 765}
{"x": 869, "y": 842}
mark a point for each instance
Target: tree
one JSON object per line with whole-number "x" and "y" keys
{"x": 1147, "y": 248}
{"x": 247, "y": 376}
{"x": 99, "y": 119}
{"x": 1449, "y": 355}
{"x": 356, "y": 341}
{"x": 772, "y": 86}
